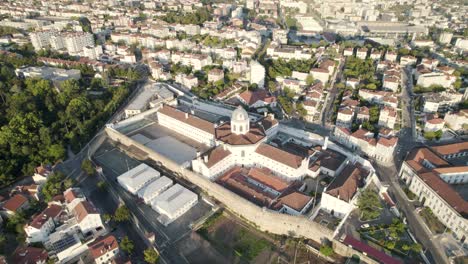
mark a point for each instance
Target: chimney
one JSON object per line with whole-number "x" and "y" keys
{"x": 186, "y": 115}
{"x": 265, "y": 114}
{"x": 272, "y": 116}
{"x": 192, "y": 111}
{"x": 205, "y": 158}
{"x": 325, "y": 143}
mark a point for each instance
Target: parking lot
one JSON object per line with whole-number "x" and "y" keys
{"x": 114, "y": 162}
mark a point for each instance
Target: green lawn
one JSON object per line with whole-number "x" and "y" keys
{"x": 431, "y": 221}
{"x": 249, "y": 246}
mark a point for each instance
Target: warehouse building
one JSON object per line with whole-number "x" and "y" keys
{"x": 138, "y": 178}
{"x": 155, "y": 188}
{"x": 173, "y": 203}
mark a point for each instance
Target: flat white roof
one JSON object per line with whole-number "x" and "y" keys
{"x": 153, "y": 189}
{"x": 173, "y": 149}
{"x": 135, "y": 179}
{"x": 173, "y": 199}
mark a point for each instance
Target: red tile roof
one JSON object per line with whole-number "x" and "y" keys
{"x": 265, "y": 177}
{"x": 82, "y": 210}
{"x": 279, "y": 155}
{"x": 370, "y": 251}
{"x": 251, "y": 97}
{"x": 188, "y": 119}
{"x": 70, "y": 195}
{"x": 451, "y": 148}
{"x": 15, "y": 202}
{"x": 51, "y": 212}
{"x": 29, "y": 255}
{"x": 431, "y": 176}
{"x": 346, "y": 184}
{"x": 254, "y": 135}
{"x": 102, "y": 245}
{"x": 216, "y": 155}
{"x": 295, "y": 200}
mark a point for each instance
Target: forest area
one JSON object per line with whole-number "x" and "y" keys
{"x": 39, "y": 120}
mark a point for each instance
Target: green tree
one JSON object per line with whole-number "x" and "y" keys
{"x": 326, "y": 250}
{"x": 122, "y": 214}
{"x": 87, "y": 167}
{"x": 102, "y": 185}
{"x": 369, "y": 205}
{"x": 107, "y": 217}
{"x": 53, "y": 185}
{"x": 151, "y": 256}
{"x": 127, "y": 245}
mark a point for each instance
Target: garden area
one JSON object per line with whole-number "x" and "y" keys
{"x": 431, "y": 221}
{"x": 369, "y": 205}
{"x": 236, "y": 242}
{"x": 392, "y": 238}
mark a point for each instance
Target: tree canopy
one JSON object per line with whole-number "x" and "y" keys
{"x": 38, "y": 119}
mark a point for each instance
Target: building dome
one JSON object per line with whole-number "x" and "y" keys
{"x": 240, "y": 122}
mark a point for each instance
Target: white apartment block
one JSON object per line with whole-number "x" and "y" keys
{"x": 436, "y": 78}
{"x": 257, "y": 74}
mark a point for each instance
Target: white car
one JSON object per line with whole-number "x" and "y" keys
{"x": 365, "y": 226}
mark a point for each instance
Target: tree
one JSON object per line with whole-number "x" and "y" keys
{"x": 53, "y": 185}
{"x": 326, "y": 250}
{"x": 87, "y": 167}
{"x": 127, "y": 245}
{"x": 151, "y": 255}
{"x": 122, "y": 214}
{"x": 310, "y": 79}
{"x": 107, "y": 217}
{"x": 416, "y": 247}
{"x": 369, "y": 205}
{"x": 102, "y": 185}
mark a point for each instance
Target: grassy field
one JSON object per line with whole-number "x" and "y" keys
{"x": 236, "y": 242}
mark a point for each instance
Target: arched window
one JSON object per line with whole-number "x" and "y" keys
{"x": 241, "y": 128}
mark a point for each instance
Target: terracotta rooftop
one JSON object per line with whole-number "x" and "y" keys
{"x": 346, "y": 184}
{"x": 251, "y": 97}
{"x": 388, "y": 142}
{"x": 279, "y": 155}
{"x": 236, "y": 181}
{"x": 51, "y": 212}
{"x": 188, "y": 119}
{"x": 435, "y": 121}
{"x": 268, "y": 122}
{"x": 295, "y": 200}
{"x": 216, "y": 155}
{"x": 15, "y": 202}
{"x": 82, "y": 210}
{"x": 70, "y": 195}
{"x": 29, "y": 255}
{"x": 255, "y": 134}
{"x": 102, "y": 245}
{"x": 416, "y": 157}
{"x": 451, "y": 148}
{"x": 445, "y": 191}
{"x": 265, "y": 177}
{"x": 329, "y": 159}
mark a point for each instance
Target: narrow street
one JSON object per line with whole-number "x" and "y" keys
{"x": 330, "y": 98}
{"x": 389, "y": 175}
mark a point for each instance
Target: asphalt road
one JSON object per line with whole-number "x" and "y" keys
{"x": 389, "y": 175}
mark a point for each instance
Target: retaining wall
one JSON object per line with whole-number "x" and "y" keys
{"x": 264, "y": 219}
